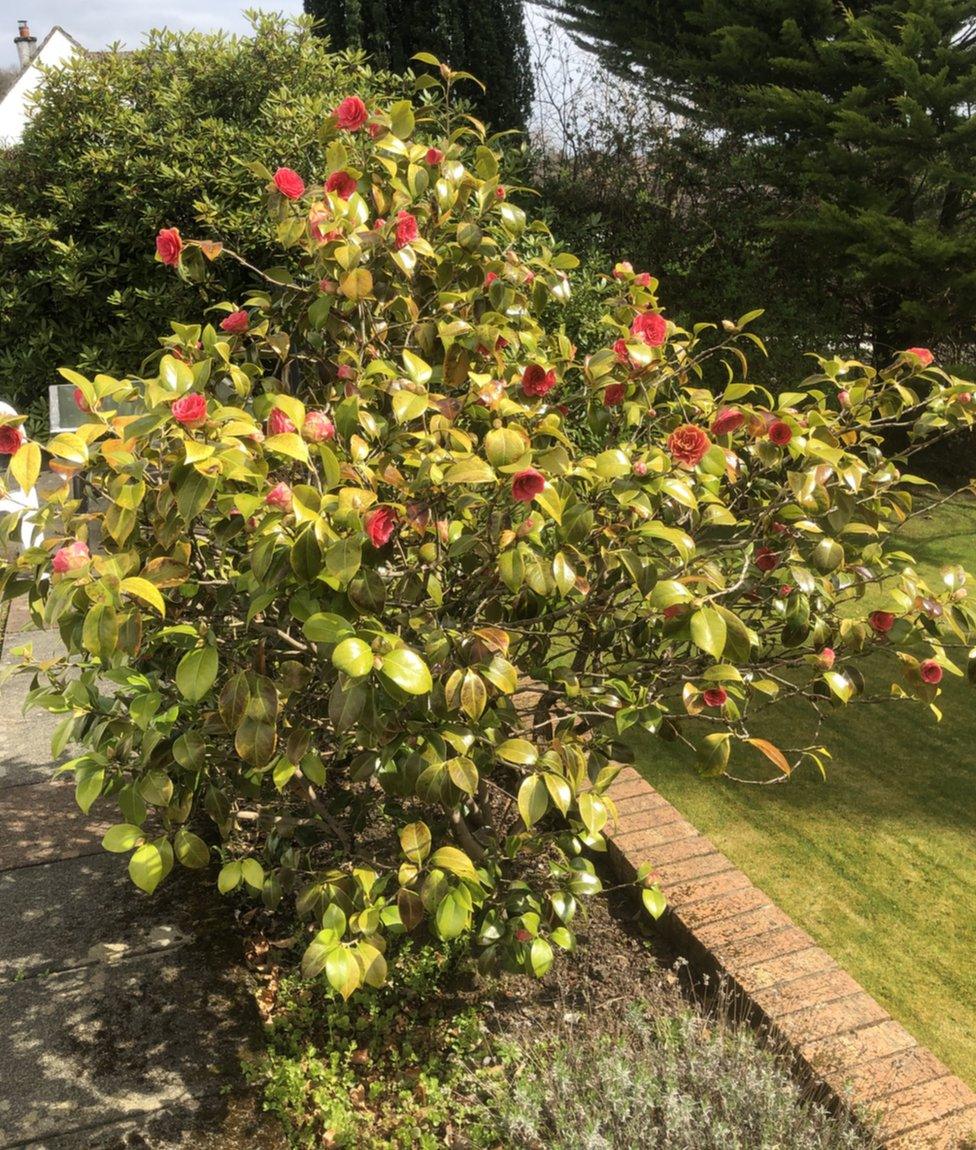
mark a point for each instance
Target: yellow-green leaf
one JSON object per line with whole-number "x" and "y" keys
{"x": 25, "y": 464}
{"x": 143, "y": 589}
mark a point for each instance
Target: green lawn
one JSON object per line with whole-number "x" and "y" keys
{"x": 878, "y": 863}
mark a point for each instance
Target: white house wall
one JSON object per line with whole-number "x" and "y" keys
{"x": 14, "y": 110}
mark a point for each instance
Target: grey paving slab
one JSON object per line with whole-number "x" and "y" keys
{"x": 85, "y": 910}
{"x": 41, "y": 822}
{"x": 25, "y": 739}
{"x": 123, "y": 1018}
{"x": 25, "y": 748}
{"x": 115, "y": 1041}
{"x": 227, "y": 1122}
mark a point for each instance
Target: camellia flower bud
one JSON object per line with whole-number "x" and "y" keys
{"x": 279, "y": 497}
{"x": 380, "y": 523}
{"x": 729, "y": 419}
{"x": 236, "y": 323}
{"x": 318, "y": 428}
{"x": 766, "y": 559}
{"x": 922, "y": 354}
{"x": 881, "y": 621}
{"x": 70, "y": 557}
{"x": 279, "y": 423}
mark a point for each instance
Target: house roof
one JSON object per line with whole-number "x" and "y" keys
{"x": 67, "y": 35}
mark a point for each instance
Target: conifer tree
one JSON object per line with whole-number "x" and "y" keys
{"x": 859, "y": 115}
{"x": 486, "y": 38}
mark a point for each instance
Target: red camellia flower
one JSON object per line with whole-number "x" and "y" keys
{"x": 289, "y": 183}
{"x": 527, "y": 484}
{"x": 881, "y": 621}
{"x": 351, "y": 114}
{"x": 169, "y": 246}
{"x": 766, "y": 559}
{"x": 190, "y": 410}
{"x": 536, "y": 381}
{"x": 236, "y": 323}
{"x": 715, "y": 697}
{"x": 341, "y": 183}
{"x": 780, "y": 432}
{"x": 500, "y": 192}
{"x": 80, "y": 402}
{"x": 827, "y": 658}
{"x": 279, "y": 423}
{"x": 375, "y": 130}
{"x": 687, "y": 445}
{"x": 318, "y": 428}
{"x": 434, "y": 156}
{"x": 930, "y": 671}
{"x": 490, "y": 278}
{"x": 640, "y": 468}
{"x": 620, "y": 351}
{"x": 406, "y": 229}
{"x": 729, "y": 419}
{"x": 650, "y": 327}
{"x": 643, "y": 279}
{"x": 923, "y": 354}
{"x": 70, "y": 557}
{"x": 380, "y": 523}
{"x": 614, "y": 395}
{"x": 279, "y": 497}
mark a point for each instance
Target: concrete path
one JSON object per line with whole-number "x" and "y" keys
{"x": 123, "y": 1018}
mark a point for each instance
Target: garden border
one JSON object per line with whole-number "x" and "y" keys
{"x": 841, "y": 1039}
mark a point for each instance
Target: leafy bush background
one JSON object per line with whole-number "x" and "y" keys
{"x": 124, "y": 143}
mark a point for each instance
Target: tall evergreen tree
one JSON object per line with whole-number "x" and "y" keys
{"x": 859, "y": 114}
{"x": 486, "y": 38}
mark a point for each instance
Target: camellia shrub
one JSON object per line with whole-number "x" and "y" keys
{"x": 377, "y": 573}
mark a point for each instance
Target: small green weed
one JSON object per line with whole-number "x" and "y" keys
{"x": 391, "y": 1068}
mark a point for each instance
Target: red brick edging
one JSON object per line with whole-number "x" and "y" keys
{"x": 840, "y": 1036}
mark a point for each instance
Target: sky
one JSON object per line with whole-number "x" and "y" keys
{"x": 561, "y": 68}
{"x": 98, "y": 23}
